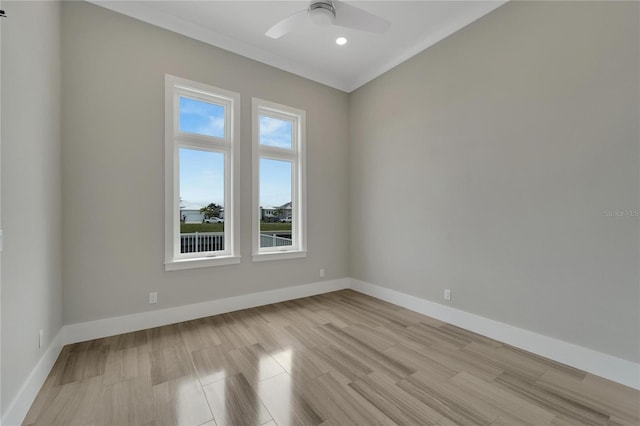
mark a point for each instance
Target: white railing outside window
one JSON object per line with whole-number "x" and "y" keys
{"x": 268, "y": 240}
{"x": 198, "y": 242}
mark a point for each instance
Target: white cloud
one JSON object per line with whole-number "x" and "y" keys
{"x": 275, "y": 132}
{"x": 214, "y": 127}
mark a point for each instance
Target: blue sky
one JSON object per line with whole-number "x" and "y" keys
{"x": 275, "y": 132}
{"x": 201, "y": 117}
{"x": 275, "y": 176}
{"x": 201, "y": 177}
{"x": 275, "y": 182}
{"x": 202, "y": 172}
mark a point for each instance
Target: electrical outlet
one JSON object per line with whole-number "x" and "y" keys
{"x": 40, "y": 338}
{"x": 447, "y": 294}
{"x": 322, "y": 273}
{"x": 153, "y": 297}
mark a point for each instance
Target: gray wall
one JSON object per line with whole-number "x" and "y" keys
{"x": 488, "y": 161}
{"x": 113, "y": 162}
{"x": 31, "y": 194}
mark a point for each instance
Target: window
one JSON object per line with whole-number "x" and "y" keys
{"x": 201, "y": 167}
{"x": 279, "y": 190}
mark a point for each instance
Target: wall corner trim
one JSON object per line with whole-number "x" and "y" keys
{"x": 598, "y": 363}
{"x": 19, "y": 407}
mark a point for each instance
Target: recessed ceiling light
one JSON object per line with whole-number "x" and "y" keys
{"x": 340, "y": 41}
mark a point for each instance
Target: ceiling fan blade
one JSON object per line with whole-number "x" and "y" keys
{"x": 287, "y": 25}
{"x": 353, "y": 17}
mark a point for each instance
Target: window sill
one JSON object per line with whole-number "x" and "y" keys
{"x": 200, "y": 262}
{"x": 279, "y": 255}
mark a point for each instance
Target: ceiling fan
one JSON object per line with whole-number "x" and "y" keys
{"x": 331, "y": 12}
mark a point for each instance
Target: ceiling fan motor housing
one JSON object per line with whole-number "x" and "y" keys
{"x": 329, "y": 12}
{"x": 322, "y": 12}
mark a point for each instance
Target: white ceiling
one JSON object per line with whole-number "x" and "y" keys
{"x": 310, "y": 51}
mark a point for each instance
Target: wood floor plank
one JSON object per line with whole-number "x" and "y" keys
{"x": 231, "y": 333}
{"x": 248, "y": 318}
{"x": 564, "y": 407}
{"x": 285, "y": 402}
{"x": 271, "y": 315}
{"x": 395, "y": 402}
{"x": 181, "y": 402}
{"x": 234, "y": 402}
{"x": 510, "y": 420}
{"x": 303, "y": 364}
{"x": 198, "y": 334}
{"x": 311, "y": 303}
{"x": 301, "y": 315}
{"x": 270, "y": 338}
{"x": 366, "y": 354}
{"x": 307, "y": 337}
{"x": 84, "y": 364}
{"x": 349, "y": 315}
{"x": 170, "y": 363}
{"x": 565, "y": 421}
{"x": 475, "y": 399}
{"x": 255, "y": 363}
{"x": 460, "y": 361}
{"x": 394, "y": 312}
{"x": 73, "y": 404}
{"x": 552, "y": 365}
{"x": 332, "y": 318}
{"x": 625, "y": 398}
{"x": 506, "y": 360}
{"x": 342, "y": 362}
{"x": 514, "y": 407}
{"x": 128, "y": 402}
{"x": 130, "y": 340}
{"x": 440, "y": 336}
{"x": 213, "y": 364}
{"x": 456, "y": 410}
{"x": 595, "y": 393}
{"x": 364, "y": 316}
{"x": 341, "y": 358}
{"x": 369, "y": 336}
{"x": 127, "y": 364}
{"x": 102, "y": 344}
{"x": 469, "y": 335}
{"x": 417, "y": 361}
{"x": 164, "y": 337}
{"x": 337, "y": 401}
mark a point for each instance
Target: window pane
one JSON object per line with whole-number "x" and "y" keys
{"x": 275, "y": 203}
{"x": 276, "y": 132}
{"x": 201, "y": 117}
{"x": 201, "y": 201}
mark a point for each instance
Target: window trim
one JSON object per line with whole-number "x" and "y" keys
{"x": 229, "y": 144}
{"x": 297, "y": 155}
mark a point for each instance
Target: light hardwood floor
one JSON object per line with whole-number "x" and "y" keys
{"x": 341, "y": 358}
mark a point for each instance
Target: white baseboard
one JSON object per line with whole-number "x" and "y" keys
{"x": 598, "y": 363}
{"x": 80, "y": 332}
{"x": 20, "y": 405}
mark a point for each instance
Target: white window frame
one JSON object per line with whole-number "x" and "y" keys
{"x": 175, "y": 87}
{"x": 297, "y": 156}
